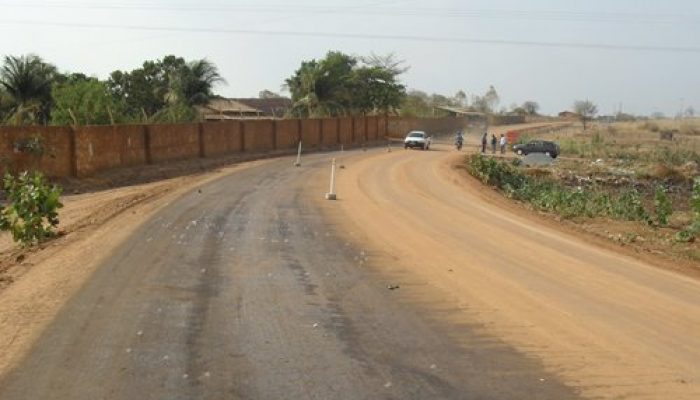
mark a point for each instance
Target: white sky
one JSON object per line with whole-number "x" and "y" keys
{"x": 97, "y": 37}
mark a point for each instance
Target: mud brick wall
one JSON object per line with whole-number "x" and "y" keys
{"x": 58, "y": 154}
{"x": 259, "y": 135}
{"x": 329, "y": 132}
{"x": 103, "y": 147}
{"x": 311, "y": 133}
{"x": 372, "y": 124}
{"x": 173, "y": 142}
{"x": 220, "y": 138}
{"x": 288, "y": 133}
{"x": 398, "y": 127}
{"x": 87, "y": 150}
{"x": 346, "y": 131}
{"x": 359, "y": 130}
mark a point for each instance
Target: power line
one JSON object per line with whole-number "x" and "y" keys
{"x": 386, "y": 11}
{"x": 367, "y": 36}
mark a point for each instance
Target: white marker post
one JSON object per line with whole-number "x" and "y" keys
{"x": 342, "y": 153}
{"x": 298, "y": 162}
{"x": 331, "y": 195}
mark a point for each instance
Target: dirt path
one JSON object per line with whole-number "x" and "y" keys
{"x": 609, "y": 325}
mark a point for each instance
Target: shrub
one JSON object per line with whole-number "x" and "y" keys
{"x": 695, "y": 200}
{"x": 693, "y": 230}
{"x": 651, "y": 126}
{"x": 662, "y": 206}
{"x": 671, "y": 174}
{"x": 31, "y": 213}
{"x": 548, "y": 195}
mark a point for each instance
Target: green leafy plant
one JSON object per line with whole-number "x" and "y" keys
{"x": 31, "y": 213}
{"x": 695, "y": 200}
{"x": 662, "y": 206}
{"x": 548, "y": 195}
{"x": 32, "y": 145}
{"x": 693, "y": 230}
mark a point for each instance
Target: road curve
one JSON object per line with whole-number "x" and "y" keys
{"x": 608, "y": 325}
{"x": 243, "y": 289}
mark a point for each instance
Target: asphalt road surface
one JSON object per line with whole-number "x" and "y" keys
{"x": 243, "y": 290}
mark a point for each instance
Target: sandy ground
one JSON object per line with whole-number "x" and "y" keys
{"x": 609, "y": 325}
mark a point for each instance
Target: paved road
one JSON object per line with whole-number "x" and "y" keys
{"x": 242, "y": 290}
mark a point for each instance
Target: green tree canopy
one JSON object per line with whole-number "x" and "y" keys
{"x": 531, "y": 107}
{"x": 26, "y": 84}
{"x": 586, "y": 109}
{"x": 340, "y": 84}
{"x": 165, "y": 87}
{"x": 88, "y": 101}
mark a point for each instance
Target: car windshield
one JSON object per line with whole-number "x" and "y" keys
{"x": 415, "y": 134}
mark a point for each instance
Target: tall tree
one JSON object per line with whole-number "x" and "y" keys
{"x": 340, "y": 84}
{"x": 460, "y": 98}
{"x": 531, "y": 107}
{"x": 416, "y": 104}
{"x": 26, "y": 82}
{"x": 193, "y": 83}
{"x": 85, "y": 102}
{"x": 268, "y": 94}
{"x": 586, "y": 110}
{"x": 491, "y": 98}
{"x": 376, "y": 90}
{"x": 159, "y": 85}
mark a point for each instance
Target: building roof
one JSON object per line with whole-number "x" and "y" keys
{"x": 459, "y": 110}
{"x": 274, "y": 106}
{"x": 568, "y": 113}
{"x": 228, "y": 106}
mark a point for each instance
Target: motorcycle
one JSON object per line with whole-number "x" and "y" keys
{"x": 458, "y": 143}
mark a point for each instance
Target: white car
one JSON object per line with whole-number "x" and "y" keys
{"x": 417, "y": 139}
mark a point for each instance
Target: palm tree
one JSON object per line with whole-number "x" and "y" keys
{"x": 314, "y": 92}
{"x": 193, "y": 84}
{"x": 26, "y": 82}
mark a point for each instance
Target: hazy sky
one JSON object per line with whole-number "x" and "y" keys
{"x": 642, "y": 54}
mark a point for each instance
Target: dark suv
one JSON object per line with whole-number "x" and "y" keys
{"x": 537, "y": 146}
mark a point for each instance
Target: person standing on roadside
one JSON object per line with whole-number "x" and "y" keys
{"x": 484, "y": 142}
{"x": 493, "y": 143}
{"x": 503, "y": 144}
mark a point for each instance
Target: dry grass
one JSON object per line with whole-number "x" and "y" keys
{"x": 667, "y": 173}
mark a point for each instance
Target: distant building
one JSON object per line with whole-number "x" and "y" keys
{"x": 569, "y": 115}
{"x": 221, "y": 109}
{"x": 276, "y": 107}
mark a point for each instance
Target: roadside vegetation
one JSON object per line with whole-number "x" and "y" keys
{"x": 637, "y": 183}
{"x": 35, "y": 92}
{"x": 31, "y": 212}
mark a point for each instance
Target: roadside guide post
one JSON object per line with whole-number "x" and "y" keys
{"x": 342, "y": 153}
{"x": 298, "y": 162}
{"x": 331, "y": 194}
